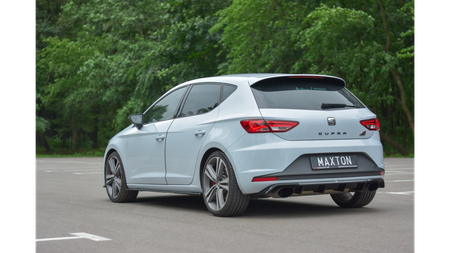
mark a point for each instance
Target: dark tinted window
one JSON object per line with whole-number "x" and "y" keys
{"x": 201, "y": 99}
{"x": 165, "y": 108}
{"x": 227, "y": 90}
{"x": 303, "y": 93}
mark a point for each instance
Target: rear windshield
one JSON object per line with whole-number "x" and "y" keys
{"x": 304, "y": 93}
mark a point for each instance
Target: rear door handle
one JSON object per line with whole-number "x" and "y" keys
{"x": 160, "y": 137}
{"x": 200, "y": 133}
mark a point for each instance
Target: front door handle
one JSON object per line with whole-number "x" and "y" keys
{"x": 200, "y": 133}
{"x": 160, "y": 137}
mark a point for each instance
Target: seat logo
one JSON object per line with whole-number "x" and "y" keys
{"x": 331, "y": 121}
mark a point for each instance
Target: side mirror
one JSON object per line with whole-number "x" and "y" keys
{"x": 137, "y": 120}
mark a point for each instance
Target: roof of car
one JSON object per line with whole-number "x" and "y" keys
{"x": 252, "y": 78}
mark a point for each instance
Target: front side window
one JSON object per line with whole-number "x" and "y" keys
{"x": 165, "y": 108}
{"x": 201, "y": 99}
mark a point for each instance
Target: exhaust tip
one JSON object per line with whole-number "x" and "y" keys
{"x": 373, "y": 186}
{"x": 285, "y": 192}
{"x": 282, "y": 192}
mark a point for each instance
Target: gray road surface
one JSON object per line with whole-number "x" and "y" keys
{"x": 74, "y": 214}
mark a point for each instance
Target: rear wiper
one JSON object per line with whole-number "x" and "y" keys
{"x": 330, "y": 105}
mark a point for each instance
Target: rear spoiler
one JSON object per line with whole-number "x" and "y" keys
{"x": 293, "y": 77}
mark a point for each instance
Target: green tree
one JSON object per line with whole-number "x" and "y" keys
{"x": 70, "y": 90}
{"x": 261, "y": 36}
{"x": 88, "y": 67}
{"x": 99, "y": 61}
{"x": 47, "y": 15}
{"x": 183, "y": 49}
{"x": 108, "y": 59}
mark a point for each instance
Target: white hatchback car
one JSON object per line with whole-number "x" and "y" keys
{"x": 231, "y": 138}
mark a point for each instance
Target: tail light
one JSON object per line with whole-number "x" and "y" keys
{"x": 263, "y": 126}
{"x": 371, "y": 124}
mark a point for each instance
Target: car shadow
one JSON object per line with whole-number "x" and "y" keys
{"x": 276, "y": 208}
{"x": 283, "y": 208}
{"x": 190, "y": 202}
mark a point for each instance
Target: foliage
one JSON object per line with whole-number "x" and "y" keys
{"x": 99, "y": 61}
{"x": 352, "y": 40}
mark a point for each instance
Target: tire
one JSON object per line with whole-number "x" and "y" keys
{"x": 116, "y": 184}
{"x": 221, "y": 191}
{"x": 353, "y": 200}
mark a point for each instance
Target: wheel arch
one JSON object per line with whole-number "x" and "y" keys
{"x": 205, "y": 157}
{"x": 107, "y": 155}
{"x": 110, "y": 151}
{"x": 105, "y": 158}
{"x": 203, "y": 161}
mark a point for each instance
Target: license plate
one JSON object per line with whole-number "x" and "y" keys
{"x": 333, "y": 162}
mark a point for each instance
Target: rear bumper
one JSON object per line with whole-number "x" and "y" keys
{"x": 267, "y": 155}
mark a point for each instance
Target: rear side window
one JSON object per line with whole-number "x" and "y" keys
{"x": 201, "y": 99}
{"x": 304, "y": 93}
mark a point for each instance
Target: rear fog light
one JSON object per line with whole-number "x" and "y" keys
{"x": 264, "y": 179}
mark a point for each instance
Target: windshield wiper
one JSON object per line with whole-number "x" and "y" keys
{"x": 331, "y": 105}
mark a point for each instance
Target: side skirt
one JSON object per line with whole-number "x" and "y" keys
{"x": 182, "y": 189}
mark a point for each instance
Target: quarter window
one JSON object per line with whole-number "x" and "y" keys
{"x": 227, "y": 91}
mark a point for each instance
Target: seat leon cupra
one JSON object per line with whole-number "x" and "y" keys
{"x": 236, "y": 137}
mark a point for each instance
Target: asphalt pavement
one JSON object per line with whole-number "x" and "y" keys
{"x": 74, "y": 214}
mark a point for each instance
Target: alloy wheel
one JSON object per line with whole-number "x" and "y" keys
{"x": 113, "y": 177}
{"x": 216, "y": 183}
